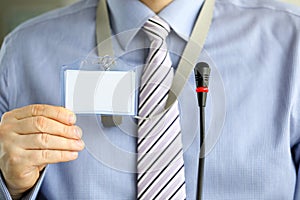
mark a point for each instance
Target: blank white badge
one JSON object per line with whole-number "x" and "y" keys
{"x": 100, "y": 92}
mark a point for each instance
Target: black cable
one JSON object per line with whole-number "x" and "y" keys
{"x": 201, "y": 154}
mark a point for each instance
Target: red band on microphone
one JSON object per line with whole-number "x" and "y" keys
{"x": 202, "y": 89}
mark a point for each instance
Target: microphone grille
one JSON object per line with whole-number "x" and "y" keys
{"x": 206, "y": 77}
{"x": 202, "y": 73}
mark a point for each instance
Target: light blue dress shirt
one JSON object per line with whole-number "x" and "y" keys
{"x": 254, "y": 45}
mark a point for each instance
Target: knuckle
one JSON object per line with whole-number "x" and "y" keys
{"x": 13, "y": 159}
{"x": 62, "y": 156}
{"x": 45, "y": 155}
{"x": 37, "y": 109}
{"x": 43, "y": 139}
{"x": 6, "y": 115}
{"x": 4, "y": 129}
{"x": 59, "y": 112}
{"x": 40, "y": 123}
{"x": 66, "y": 131}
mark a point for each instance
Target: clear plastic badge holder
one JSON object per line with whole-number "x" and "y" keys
{"x": 97, "y": 85}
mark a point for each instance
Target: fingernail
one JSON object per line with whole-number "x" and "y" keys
{"x": 72, "y": 119}
{"x": 74, "y": 154}
{"x": 78, "y": 132}
{"x": 80, "y": 143}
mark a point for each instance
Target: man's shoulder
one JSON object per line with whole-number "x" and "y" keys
{"x": 274, "y": 16}
{"x": 65, "y": 16}
{"x": 273, "y": 6}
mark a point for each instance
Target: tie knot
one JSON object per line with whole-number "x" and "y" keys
{"x": 156, "y": 28}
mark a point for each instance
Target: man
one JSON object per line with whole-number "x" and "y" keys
{"x": 255, "y": 47}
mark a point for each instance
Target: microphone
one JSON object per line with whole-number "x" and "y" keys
{"x": 202, "y": 72}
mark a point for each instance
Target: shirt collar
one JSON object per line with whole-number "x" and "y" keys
{"x": 181, "y": 15}
{"x": 130, "y": 15}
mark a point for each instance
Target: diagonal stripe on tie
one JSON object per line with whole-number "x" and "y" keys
{"x": 146, "y": 146}
{"x": 153, "y": 88}
{"x": 160, "y": 156}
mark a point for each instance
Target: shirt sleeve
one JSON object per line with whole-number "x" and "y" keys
{"x": 295, "y": 120}
{"x": 3, "y": 79}
{"x": 296, "y": 151}
{"x": 6, "y": 85}
{"x": 295, "y": 127}
{"x": 31, "y": 195}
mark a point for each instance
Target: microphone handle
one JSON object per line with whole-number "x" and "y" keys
{"x": 201, "y": 163}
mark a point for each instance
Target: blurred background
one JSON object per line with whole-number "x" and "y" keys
{"x": 14, "y": 12}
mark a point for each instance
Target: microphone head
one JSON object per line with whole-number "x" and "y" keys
{"x": 202, "y": 72}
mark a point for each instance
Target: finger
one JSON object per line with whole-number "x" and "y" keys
{"x": 44, "y": 157}
{"x": 59, "y": 114}
{"x": 40, "y": 124}
{"x": 45, "y": 141}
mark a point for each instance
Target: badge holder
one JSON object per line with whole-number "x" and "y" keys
{"x": 96, "y": 85}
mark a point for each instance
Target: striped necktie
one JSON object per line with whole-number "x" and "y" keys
{"x": 160, "y": 155}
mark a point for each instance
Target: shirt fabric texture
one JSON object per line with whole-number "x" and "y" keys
{"x": 254, "y": 45}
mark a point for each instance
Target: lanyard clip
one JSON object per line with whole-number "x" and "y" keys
{"x": 107, "y": 62}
